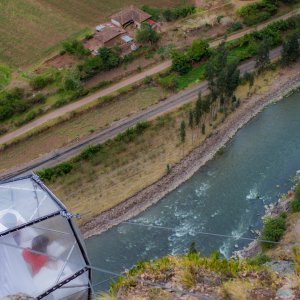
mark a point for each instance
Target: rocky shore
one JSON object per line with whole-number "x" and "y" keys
{"x": 272, "y": 210}
{"x": 195, "y": 159}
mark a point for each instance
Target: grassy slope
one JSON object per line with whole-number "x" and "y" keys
{"x": 29, "y": 29}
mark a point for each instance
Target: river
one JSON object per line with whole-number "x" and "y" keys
{"x": 227, "y": 196}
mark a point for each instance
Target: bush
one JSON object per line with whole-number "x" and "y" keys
{"x": 89, "y": 152}
{"x": 50, "y": 174}
{"x": 146, "y": 35}
{"x": 235, "y": 27}
{"x": 181, "y": 62}
{"x": 295, "y": 204}
{"x": 297, "y": 191}
{"x": 39, "y": 82}
{"x": 198, "y": 50}
{"x": 37, "y": 99}
{"x": 178, "y": 12}
{"x": 259, "y": 259}
{"x": 71, "y": 80}
{"x": 255, "y": 13}
{"x": 131, "y": 133}
{"x": 169, "y": 82}
{"x": 12, "y": 103}
{"x": 152, "y": 11}
{"x": 75, "y": 48}
{"x": 107, "y": 59}
{"x": 273, "y": 231}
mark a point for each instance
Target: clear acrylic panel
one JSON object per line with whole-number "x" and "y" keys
{"x": 23, "y": 201}
{"x": 37, "y": 257}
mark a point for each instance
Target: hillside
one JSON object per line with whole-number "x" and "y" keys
{"x": 30, "y": 29}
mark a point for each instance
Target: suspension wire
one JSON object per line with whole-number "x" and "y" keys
{"x": 200, "y": 232}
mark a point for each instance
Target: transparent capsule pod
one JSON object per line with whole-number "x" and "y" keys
{"x": 42, "y": 254}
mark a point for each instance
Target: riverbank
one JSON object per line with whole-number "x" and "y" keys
{"x": 283, "y": 205}
{"x": 182, "y": 171}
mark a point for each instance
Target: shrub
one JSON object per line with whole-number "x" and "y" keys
{"x": 29, "y": 117}
{"x": 153, "y": 11}
{"x": 273, "y": 230}
{"x": 12, "y": 103}
{"x": 259, "y": 259}
{"x": 198, "y": 50}
{"x": 146, "y": 35}
{"x": 258, "y": 12}
{"x": 39, "y": 82}
{"x": 235, "y": 27}
{"x": 169, "y": 82}
{"x": 131, "y": 133}
{"x": 51, "y": 174}
{"x": 75, "y": 48}
{"x": 295, "y": 205}
{"x": 297, "y": 191}
{"x": 89, "y": 152}
{"x": 178, "y": 12}
{"x": 181, "y": 62}
{"x": 37, "y": 99}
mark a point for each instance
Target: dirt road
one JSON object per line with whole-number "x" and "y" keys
{"x": 152, "y": 112}
{"x": 128, "y": 81}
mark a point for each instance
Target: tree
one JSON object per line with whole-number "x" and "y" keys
{"x": 182, "y": 134}
{"x": 191, "y": 123}
{"x": 263, "y": 56}
{"x": 75, "y": 48}
{"x": 250, "y": 78}
{"x": 180, "y": 63}
{"x": 290, "y": 50}
{"x": 71, "y": 80}
{"x": 109, "y": 58}
{"x": 198, "y": 50}
{"x": 146, "y": 35}
{"x": 222, "y": 76}
{"x": 192, "y": 248}
{"x": 198, "y": 110}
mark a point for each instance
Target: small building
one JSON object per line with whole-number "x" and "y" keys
{"x": 106, "y": 35}
{"x": 42, "y": 254}
{"x": 130, "y": 15}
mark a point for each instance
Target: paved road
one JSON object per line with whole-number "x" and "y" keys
{"x": 152, "y": 112}
{"x": 128, "y": 81}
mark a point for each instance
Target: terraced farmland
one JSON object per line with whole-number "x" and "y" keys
{"x": 31, "y": 29}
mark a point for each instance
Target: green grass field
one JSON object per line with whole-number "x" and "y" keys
{"x": 32, "y": 29}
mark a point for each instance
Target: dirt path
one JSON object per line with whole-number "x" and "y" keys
{"x": 128, "y": 81}
{"x": 192, "y": 162}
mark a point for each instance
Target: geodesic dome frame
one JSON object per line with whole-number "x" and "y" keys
{"x": 41, "y": 251}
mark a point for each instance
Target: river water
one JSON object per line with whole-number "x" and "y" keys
{"x": 226, "y": 196}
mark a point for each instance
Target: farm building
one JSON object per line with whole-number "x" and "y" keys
{"x": 107, "y": 35}
{"x": 130, "y": 15}
{"x": 41, "y": 252}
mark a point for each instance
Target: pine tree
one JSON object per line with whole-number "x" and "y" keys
{"x": 290, "y": 50}
{"x": 191, "y": 123}
{"x": 263, "y": 56}
{"x": 182, "y": 134}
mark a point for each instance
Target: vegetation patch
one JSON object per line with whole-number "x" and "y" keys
{"x": 258, "y": 12}
{"x": 5, "y": 76}
{"x": 273, "y": 231}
